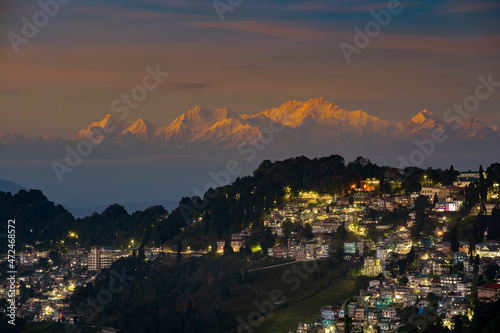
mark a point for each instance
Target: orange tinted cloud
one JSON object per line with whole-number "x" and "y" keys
{"x": 407, "y": 42}
{"x": 469, "y": 7}
{"x": 279, "y": 29}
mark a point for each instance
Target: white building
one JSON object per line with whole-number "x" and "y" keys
{"x": 100, "y": 257}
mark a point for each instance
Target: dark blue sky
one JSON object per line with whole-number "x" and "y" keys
{"x": 262, "y": 54}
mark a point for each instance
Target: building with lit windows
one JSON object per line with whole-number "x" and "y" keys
{"x": 101, "y": 257}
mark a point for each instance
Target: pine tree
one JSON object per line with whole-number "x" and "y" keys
{"x": 483, "y": 189}
{"x": 341, "y": 232}
{"x": 228, "y": 249}
{"x": 179, "y": 250}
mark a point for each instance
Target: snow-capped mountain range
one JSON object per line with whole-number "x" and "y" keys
{"x": 314, "y": 122}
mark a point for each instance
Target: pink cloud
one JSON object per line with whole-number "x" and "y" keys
{"x": 155, "y": 15}
{"x": 468, "y": 7}
{"x": 344, "y": 6}
{"x": 279, "y": 29}
{"x": 482, "y": 45}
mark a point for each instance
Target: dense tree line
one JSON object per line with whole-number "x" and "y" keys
{"x": 40, "y": 221}
{"x": 193, "y": 294}
{"x": 223, "y": 210}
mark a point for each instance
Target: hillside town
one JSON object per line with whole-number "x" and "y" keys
{"x": 413, "y": 271}
{"x": 439, "y": 278}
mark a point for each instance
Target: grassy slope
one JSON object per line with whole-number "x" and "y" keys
{"x": 325, "y": 284}
{"x": 286, "y": 319}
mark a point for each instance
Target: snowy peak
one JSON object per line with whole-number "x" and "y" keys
{"x": 473, "y": 128}
{"x": 308, "y": 123}
{"x": 423, "y": 117}
{"x": 423, "y": 125}
{"x": 100, "y": 129}
{"x": 229, "y": 132}
{"x": 10, "y": 138}
{"x": 141, "y": 130}
{"x": 325, "y": 116}
{"x": 191, "y": 124}
{"x": 202, "y": 117}
{"x": 293, "y": 113}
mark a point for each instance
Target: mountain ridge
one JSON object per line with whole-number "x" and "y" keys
{"x": 312, "y": 121}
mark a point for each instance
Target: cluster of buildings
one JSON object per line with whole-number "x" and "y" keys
{"x": 47, "y": 288}
{"x": 326, "y": 214}
{"x": 237, "y": 241}
{"x": 299, "y": 250}
{"x": 46, "y": 292}
{"x": 102, "y": 257}
{"x": 438, "y": 280}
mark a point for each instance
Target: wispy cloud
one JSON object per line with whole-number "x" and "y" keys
{"x": 461, "y": 7}
{"x": 158, "y": 15}
{"x": 188, "y": 86}
{"x": 343, "y": 6}
{"x": 340, "y": 6}
{"x": 421, "y": 43}
{"x": 268, "y": 28}
{"x": 237, "y": 67}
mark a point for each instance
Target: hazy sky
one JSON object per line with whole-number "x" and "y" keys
{"x": 262, "y": 54}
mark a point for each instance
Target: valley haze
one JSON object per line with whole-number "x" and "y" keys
{"x": 140, "y": 161}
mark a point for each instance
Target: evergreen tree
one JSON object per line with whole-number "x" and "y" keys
{"x": 471, "y": 196}
{"x": 228, "y": 249}
{"x": 452, "y": 237}
{"x": 483, "y": 188}
{"x": 306, "y": 232}
{"x": 179, "y": 250}
{"x": 341, "y": 232}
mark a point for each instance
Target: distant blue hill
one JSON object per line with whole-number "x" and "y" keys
{"x": 131, "y": 207}
{"x": 8, "y": 186}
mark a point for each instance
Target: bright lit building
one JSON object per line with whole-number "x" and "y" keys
{"x": 488, "y": 249}
{"x": 100, "y": 257}
{"x": 443, "y": 192}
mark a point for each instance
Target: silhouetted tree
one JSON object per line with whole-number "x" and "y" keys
{"x": 483, "y": 188}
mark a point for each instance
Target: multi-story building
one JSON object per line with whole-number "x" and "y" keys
{"x": 351, "y": 248}
{"x": 372, "y": 266}
{"x": 100, "y": 257}
{"x": 450, "y": 282}
{"x": 324, "y": 226}
{"x": 329, "y": 312}
{"x": 488, "y": 249}
{"x": 443, "y": 192}
{"x": 489, "y": 292}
